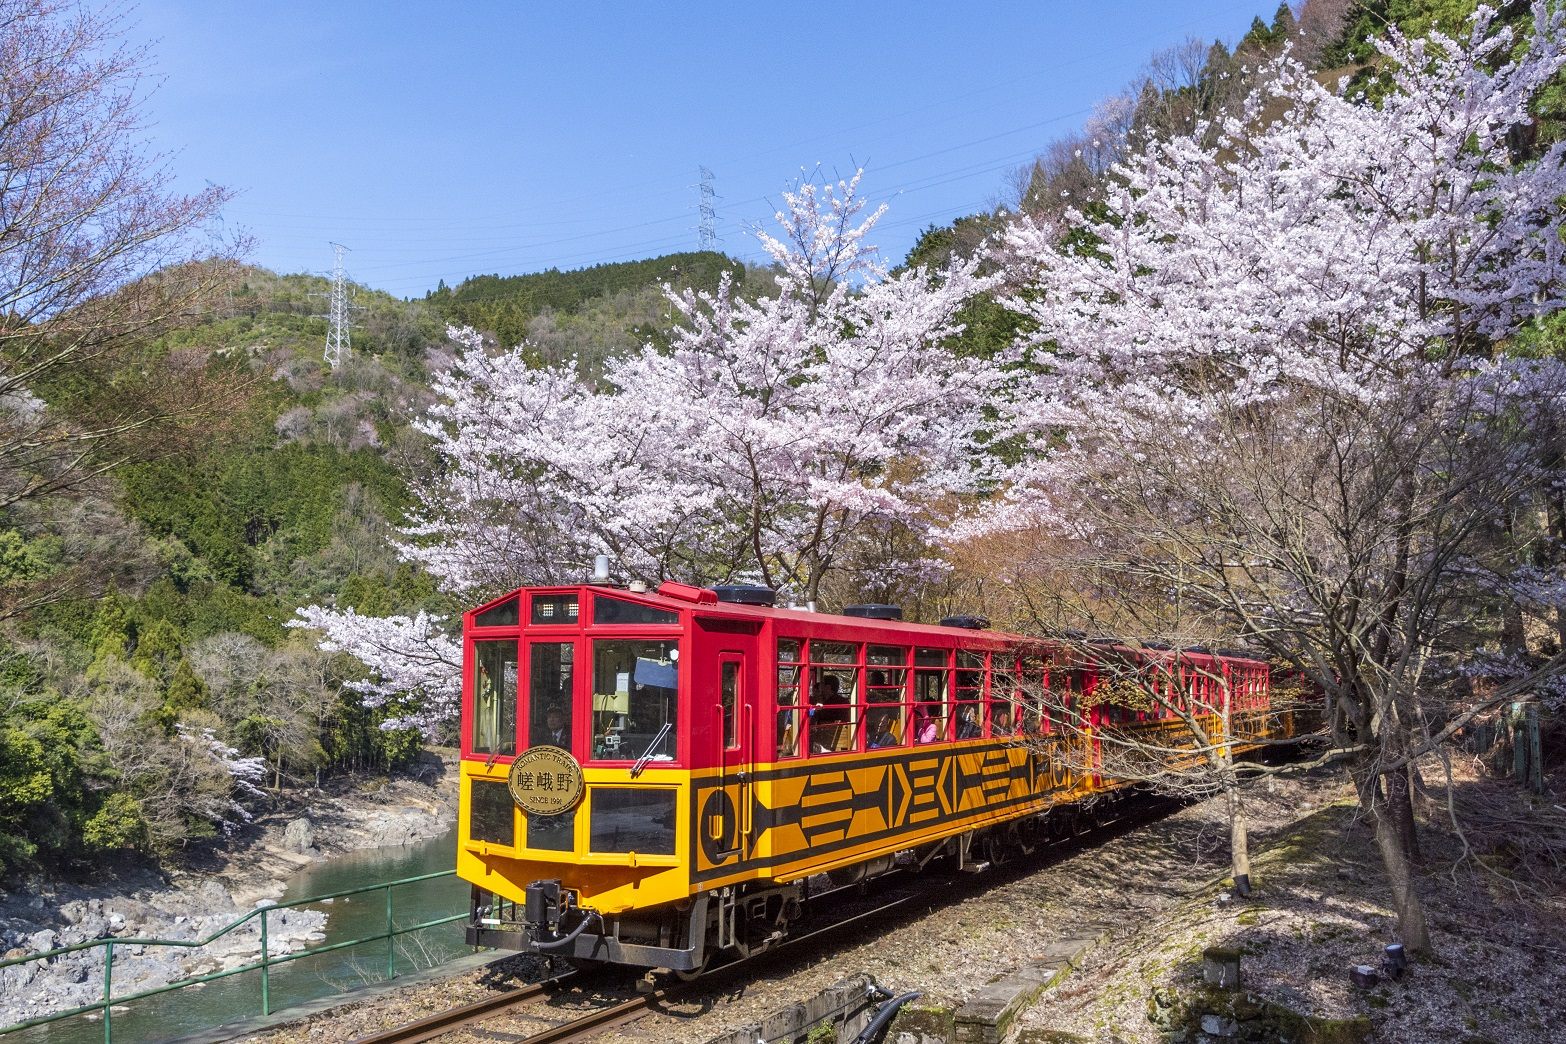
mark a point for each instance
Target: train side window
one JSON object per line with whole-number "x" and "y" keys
{"x": 1002, "y": 705}
{"x": 1032, "y": 690}
{"x": 495, "y": 697}
{"x": 790, "y": 726}
{"x": 834, "y": 652}
{"x": 1067, "y": 683}
{"x": 970, "y": 693}
{"x": 502, "y": 615}
{"x": 834, "y": 696}
{"x": 728, "y": 694}
{"x": 931, "y": 720}
{"x": 836, "y": 707}
{"x": 886, "y": 692}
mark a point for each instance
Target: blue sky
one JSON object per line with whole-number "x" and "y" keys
{"x": 442, "y": 141}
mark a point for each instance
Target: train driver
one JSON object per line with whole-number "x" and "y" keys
{"x": 556, "y": 731}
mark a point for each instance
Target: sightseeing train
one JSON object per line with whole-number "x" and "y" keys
{"x": 649, "y": 778}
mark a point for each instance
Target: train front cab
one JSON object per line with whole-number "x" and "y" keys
{"x": 604, "y": 676}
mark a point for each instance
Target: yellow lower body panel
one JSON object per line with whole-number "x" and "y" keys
{"x": 624, "y": 847}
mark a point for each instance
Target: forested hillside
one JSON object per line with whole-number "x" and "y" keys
{"x": 565, "y": 313}
{"x": 151, "y": 693}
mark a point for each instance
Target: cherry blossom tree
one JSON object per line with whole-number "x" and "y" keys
{"x": 1270, "y": 379}
{"x": 769, "y": 440}
{"x": 409, "y": 657}
{"x": 767, "y": 436}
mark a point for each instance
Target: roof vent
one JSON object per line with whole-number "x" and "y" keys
{"x": 972, "y": 623}
{"x": 746, "y": 594}
{"x": 874, "y": 611}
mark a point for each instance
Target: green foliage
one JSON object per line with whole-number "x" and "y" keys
{"x": 988, "y": 328}
{"x": 504, "y": 305}
{"x": 157, "y": 649}
{"x": 49, "y": 764}
{"x": 112, "y": 630}
{"x": 186, "y": 691}
{"x": 117, "y": 824}
{"x": 25, "y": 781}
{"x": 25, "y": 560}
{"x": 1257, "y": 36}
{"x": 227, "y": 507}
{"x": 376, "y": 594}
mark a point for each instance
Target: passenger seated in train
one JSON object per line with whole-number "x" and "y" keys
{"x": 925, "y": 728}
{"x": 830, "y": 705}
{"x": 968, "y": 724}
{"x": 882, "y": 733}
{"x": 1000, "y": 722}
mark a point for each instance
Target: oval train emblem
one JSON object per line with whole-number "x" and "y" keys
{"x": 545, "y": 781}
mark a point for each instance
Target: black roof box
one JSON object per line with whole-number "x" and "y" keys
{"x": 971, "y": 622}
{"x": 746, "y": 594}
{"x": 874, "y": 611}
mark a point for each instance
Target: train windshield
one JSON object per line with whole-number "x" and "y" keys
{"x": 494, "y": 722}
{"x": 636, "y": 699}
{"x": 549, "y": 694}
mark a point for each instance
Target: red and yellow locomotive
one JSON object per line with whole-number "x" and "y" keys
{"x": 649, "y": 778}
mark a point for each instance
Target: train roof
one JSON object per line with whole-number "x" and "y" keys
{"x": 676, "y": 597}
{"x": 673, "y": 596}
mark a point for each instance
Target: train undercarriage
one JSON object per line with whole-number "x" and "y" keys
{"x": 733, "y": 921}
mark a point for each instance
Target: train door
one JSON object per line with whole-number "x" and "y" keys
{"x": 737, "y": 723}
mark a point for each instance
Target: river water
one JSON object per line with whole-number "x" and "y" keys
{"x": 194, "y": 1009}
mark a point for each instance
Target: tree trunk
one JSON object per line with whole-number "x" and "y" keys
{"x": 1239, "y": 844}
{"x": 1400, "y": 791}
{"x": 1411, "y": 928}
{"x": 1557, "y": 523}
{"x": 1400, "y": 806}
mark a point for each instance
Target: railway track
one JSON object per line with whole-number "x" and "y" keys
{"x": 478, "y": 1012}
{"x": 588, "y": 1024}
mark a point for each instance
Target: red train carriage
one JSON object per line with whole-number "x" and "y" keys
{"x": 649, "y": 778}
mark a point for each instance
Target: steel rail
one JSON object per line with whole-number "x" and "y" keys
{"x": 454, "y": 1018}
{"x": 604, "y": 1018}
{"x": 595, "y": 1021}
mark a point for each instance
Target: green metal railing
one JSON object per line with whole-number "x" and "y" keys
{"x": 265, "y": 964}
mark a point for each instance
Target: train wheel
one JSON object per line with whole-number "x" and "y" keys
{"x": 692, "y": 974}
{"x": 997, "y": 847}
